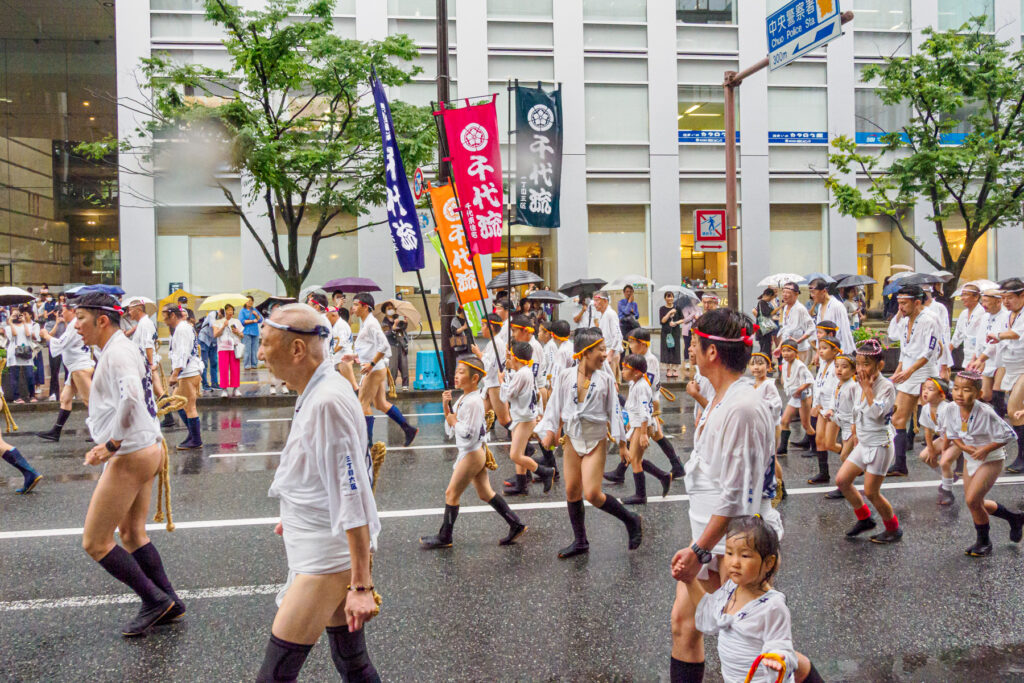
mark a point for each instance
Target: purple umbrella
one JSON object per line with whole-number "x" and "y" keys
{"x": 351, "y": 285}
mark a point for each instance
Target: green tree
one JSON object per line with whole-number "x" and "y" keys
{"x": 958, "y": 76}
{"x": 294, "y": 117}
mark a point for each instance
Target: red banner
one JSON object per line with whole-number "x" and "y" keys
{"x": 472, "y": 134}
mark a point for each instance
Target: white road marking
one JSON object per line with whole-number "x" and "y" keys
{"x": 469, "y": 509}
{"x": 288, "y": 419}
{"x": 391, "y": 449}
{"x": 124, "y": 598}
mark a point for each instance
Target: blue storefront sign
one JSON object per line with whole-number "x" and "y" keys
{"x": 876, "y": 138}
{"x": 705, "y": 136}
{"x": 797, "y": 137}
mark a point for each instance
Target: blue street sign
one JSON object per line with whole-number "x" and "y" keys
{"x": 799, "y": 27}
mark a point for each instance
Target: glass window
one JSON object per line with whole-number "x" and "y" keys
{"x": 873, "y": 116}
{"x": 955, "y": 13}
{"x": 196, "y": 5}
{"x": 423, "y": 9}
{"x": 614, "y": 10}
{"x": 888, "y": 15}
{"x": 518, "y": 9}
{"x": 706, "y": 11}
{"x": 614, "y": 69}
{"x": 797, "y": 109}
{"x": 702, "y": 107}
{"x": 631, "y": 119}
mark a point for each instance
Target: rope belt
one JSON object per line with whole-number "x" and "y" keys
{"x": 489, "y": 461}
{"x": 378, "y": 451}
{"x": 667, "y": 394}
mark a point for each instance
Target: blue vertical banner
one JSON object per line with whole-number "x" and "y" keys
{"x": 402, "y": 216}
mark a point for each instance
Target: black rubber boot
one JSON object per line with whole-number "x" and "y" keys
{"x": 617, "y": 475}
{"x": 520, "y": 487}
{"x": 673, "y": 459}
{"x": 579, "y": 545}
{"x": 783, "y": 443}
{"x": 54, "y": 433}
{"x": 822, "y": 476}
{"x": 661, "y": 475}
{"x": 639, "y": 497}
{"x": 443, "y": 539}
{"x": 547, "y": 476}
{"x": 515, "y": 525}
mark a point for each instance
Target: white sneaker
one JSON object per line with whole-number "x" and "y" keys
{"x": 238, "y": 392}
{"x": 224, "y": 394}
{"x": 53, "y": 397}
{"x": 273, "y": 390}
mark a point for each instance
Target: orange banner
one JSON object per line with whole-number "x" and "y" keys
{"x": 464, "y": 268}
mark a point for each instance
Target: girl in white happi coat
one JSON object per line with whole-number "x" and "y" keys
{"x": 796, "y": 382}
{"x": 519, "y": 391}
{"x": 973, "y": 427}
{"x": 585, "y": 406}
{"x": 639, "y": 413}
{"x": 874, "y": 450}
{"x": 937, "y": 396}
{"x": 749, "y": 617}
{"x": 465, "y": 419}
{"x": 823, "y": 390}
{"x": 840, "y": 415}
{"x": 760, "y": 365}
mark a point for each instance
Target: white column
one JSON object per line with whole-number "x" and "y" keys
{"x": 376, "y": 250}
{"x": 755, "y": 209}
{"x": 841, "y": 78}
{"x": 256, "y": 270}
{"x": 137, "y": 215}
{"x": 1009, "y": 240}
{"x": 573, "y": 236}
{"x": 662, "y": 87}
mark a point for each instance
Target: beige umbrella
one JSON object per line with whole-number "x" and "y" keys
{"x": 898, "y": 267}
{"x": 219, "y": 301}
{"x": 258, "y": 295}
{"x": 402, "y": 307}
{"x": 147, "y": 303}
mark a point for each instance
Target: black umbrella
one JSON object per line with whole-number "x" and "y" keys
{"x": 582, "y": 287}
{"x": 839, "y": 277}
{"x": 12, "y": 296}
{"x": 274, "y": 301}
{"x": 857, "y": 281}
{"x": 920, "y": 279}
{"x": 518, "y": 277}
{"x": 546, "y": 296}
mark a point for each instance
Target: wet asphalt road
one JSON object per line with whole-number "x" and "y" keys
{"x": 916, "y": 611}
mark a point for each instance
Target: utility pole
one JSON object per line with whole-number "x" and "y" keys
{"x": 443, "y": 176}
{"x": 732, "y": 81}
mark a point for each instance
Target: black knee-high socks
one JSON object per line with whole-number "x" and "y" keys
{"x": 451, "y": 512}
{"x": 670, "y": 453}
{"x": 1018, "y": 462}
{"x": 123, "y": 567}
{"x": 613, "y": 507}
{"x": 283, "y": 661}
{"x": 152, "y": 564}
{"x": 501, "y": 507}
{"x": 348, "y": 650}
{"x": 686, "y": 672}
{"x": 900, "y": 445}
{"x": 784, "y": 442}
{"x": 577, "y": 518}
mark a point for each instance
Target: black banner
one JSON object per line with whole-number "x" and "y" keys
{"x": 538, "y": 157}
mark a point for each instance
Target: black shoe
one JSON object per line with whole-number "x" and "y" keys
{"x": 979, "y": 550}
{"x": 804, "y": 443}
{"x": 410, "y": 434}
{"x": 517, "y": 488}
{"x": 1017, "y": 527}
{"x": 946, "y": 497}
{"x": 1017, "y": 467}
{"x": 861, "y": 526}
{"x": 146, "y": 618}
{"x": 612, "y": 478}
{"x": 896, "y": 472}
{"x": 432, "y": 542}
{"x": 52, "y": 435}
{"x": 547, "y": 478}
{"x": 636, "y": 531}
{"x": 573, "y": 549}
{"x": 168, "y": 422}
{"x": 174, "y": 614}
{"x": 514, "y": 532}
{"x": 189, "y": 444}
{"x": 634, "y": 500}
{"x": 835, "y": 494}
{"x": 819, "y": 478}
{"x": 677, "y": 472}
{"x": 666, "y": 484}
{"x": 887, "y": 536}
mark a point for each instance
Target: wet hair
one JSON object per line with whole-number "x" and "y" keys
{"x": 344, "y": 313}
{"x": 473, "y": 365}
{"x": 559, "y": 328}
{"x": 913, "y": 291}
{"x": 227, "y": 306}
{"x": 101, "y": 304}
{"x": 827, "y": 325}
{"x": 833, "y": 342}
{"x": 493, "y": 319}
{"x": 520, "y": 320}
{"x": 971, "y": 376}
{"x": 792, "y": 343}
{"x": 792, "y": 286}
{"x": 818, "y": 283}
{"x": 364, "y": 298}
{"x": 504, "y": 303}
{"x": 762, "y": 358}
{"x": 768, "y": 292}
{"x": 636, "y": 361}
{"x": 1012, "y": 285}
{"x": 641, "y": 334}
{"x": 522, "y": 350}
{"x": 761, "y": 537}
{"x": 943, "y": 386}
{"x": 871, "y": 349}
{"x": 585, "y": 337}
{"x": 317, "y": 297}
{"x": 729, "y": 324}
{"x": 173, "y": 309}
{"x": 183, "y": 300}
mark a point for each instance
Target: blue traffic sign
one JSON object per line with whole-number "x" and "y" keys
{"x": 799, "y": 27}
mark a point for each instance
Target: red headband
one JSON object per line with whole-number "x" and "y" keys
{"x": 744, "y": 337}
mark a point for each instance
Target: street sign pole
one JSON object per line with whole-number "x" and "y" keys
{"x": 732, "y": 81}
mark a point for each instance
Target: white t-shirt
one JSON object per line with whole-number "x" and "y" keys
{"x": 795, "y": 322}
{"x": 600, "y": 405}
{"x": 923, "y": 340}
{"x": 341, "y": 339}
{"x": 23, "y": 333}
{"x": 144, "y": 334}
{"x": 185, "y": 351}
{"x": 72, "y": 350}
{"x": 984, "y": 426}
{"x": 370, "y": 341}
{"x": 121, "y": 404}
{"x": 228, "y": 341}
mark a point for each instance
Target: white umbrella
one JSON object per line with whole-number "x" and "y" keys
{"x": 306, "y": 291}
{"x": 148, "y": 304}
{"x": 633, "y": 280}
{"x": 900, "y": 276}
{"x": 11, "y": 296}
{"x": 944, "y": 275}
{"x": 899, "y": 266}
{"x": 779, "y": 279}
{"x": 982, "y": 286}
{"x": 678, "y": 291}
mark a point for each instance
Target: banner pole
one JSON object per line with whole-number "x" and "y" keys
{"x": 508, "y": 204}
{"x": 430, "y": 322}
{"x": 442, "y": 142}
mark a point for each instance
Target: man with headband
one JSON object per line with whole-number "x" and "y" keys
{"x": 329, "y": 519}
{"x": 969, "y": 322}
{"x": 993, "y": 320}
{"x": 1009, "y": 340}
{"x": 920, "y": 337}
{"x": 730, "y": 473}
{"x": 609, "y": 324}
{"x": 831, "y": 308}
{"x": 795, "y": 322}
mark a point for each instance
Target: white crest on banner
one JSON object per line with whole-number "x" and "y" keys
{"x": 474, "y": 137}
{"x": 451, "y": 210}
{"x": 540, "y": 117}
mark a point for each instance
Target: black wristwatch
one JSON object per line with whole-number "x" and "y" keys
{"x": 703, "y": 556}
{"x": 111, "y": 446}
